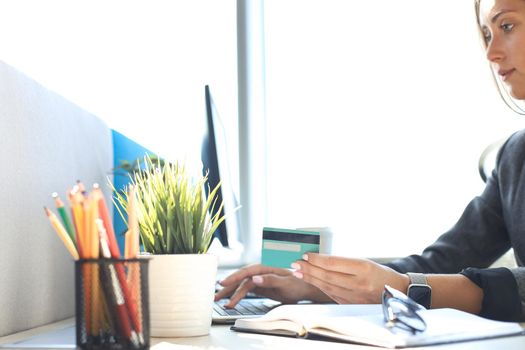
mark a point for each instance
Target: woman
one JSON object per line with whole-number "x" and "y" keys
{"x": 456, "y": 265}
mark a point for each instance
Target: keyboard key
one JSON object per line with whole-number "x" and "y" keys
{"x": 232, "y": 312}
{"x": 245, "y": 307}
{"x": 243, "y": 310}
{"x": 219, "y": 309}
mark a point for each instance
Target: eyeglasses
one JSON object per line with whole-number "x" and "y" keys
{"x": 402, "y": 312}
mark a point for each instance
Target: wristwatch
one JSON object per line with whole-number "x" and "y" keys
{"x": 419, "y": 290}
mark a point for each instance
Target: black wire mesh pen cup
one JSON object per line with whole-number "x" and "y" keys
{"x": 112, "y": 304}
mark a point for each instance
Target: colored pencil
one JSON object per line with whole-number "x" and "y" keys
{"x": 76, "y": 201}
{"x": 104, "y": 215}
{"x": 89, "y": 234}
{"x": 65, "y": 217}
{"x": 115, "y": 253}
{"x": 132, "y": 235}
{"x": 62, "y": 233}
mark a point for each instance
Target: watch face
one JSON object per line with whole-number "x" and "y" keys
{"x": 420, "y": 293}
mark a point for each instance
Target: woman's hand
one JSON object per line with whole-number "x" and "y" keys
{"x": 275, "y": 283}
{"x": 347, "y": 280}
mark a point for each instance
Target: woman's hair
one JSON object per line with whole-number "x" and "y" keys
{"x": 503, "y": 92}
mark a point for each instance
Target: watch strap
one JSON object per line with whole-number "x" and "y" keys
{"x": 417, "y": 278}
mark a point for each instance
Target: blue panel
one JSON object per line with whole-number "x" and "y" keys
{"x": 123, "y": 149}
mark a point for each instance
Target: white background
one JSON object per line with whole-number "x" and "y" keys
{"x": 377, "y": 111}
{"x": 377, "y": 114}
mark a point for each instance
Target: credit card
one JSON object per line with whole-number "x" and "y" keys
{"x": 281, "y": 247}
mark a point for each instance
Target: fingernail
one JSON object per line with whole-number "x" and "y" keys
{"x": 257, "y": 279}
{"x": 305, "y": 257}
{"x": 298, "y": 275}
{"x": 295, "y": 266}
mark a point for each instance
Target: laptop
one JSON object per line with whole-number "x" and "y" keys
{"x": 252, "y": 305}
{"x": 246, "y": 308}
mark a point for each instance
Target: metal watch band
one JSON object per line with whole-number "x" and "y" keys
{"x": 417, "y": 278}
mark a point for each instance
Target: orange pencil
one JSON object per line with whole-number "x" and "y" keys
{"x": 62, "y": 233}
{"x": 92, "y": 245}
{"x": 127, "y": 242}
{"x": 91, "y": 226}
{"x": 132, "y": 251}
{"x": 132, "y": 236}
{"x": 76, "y": 201}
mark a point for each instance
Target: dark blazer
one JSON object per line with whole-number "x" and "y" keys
{"x": 491, "y": 224}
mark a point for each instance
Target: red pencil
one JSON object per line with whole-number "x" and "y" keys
{"x": 119, "y": 289}
{"x": 104, "y": 215}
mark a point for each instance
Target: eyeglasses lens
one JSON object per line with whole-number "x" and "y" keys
{"x": 405, "y": 315}
{"x": 402, "y": 312}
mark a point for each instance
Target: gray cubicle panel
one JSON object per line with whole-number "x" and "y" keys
{"x": 47, "y": 143}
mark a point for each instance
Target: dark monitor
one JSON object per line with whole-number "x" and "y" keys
{"x": 214, "y": 155}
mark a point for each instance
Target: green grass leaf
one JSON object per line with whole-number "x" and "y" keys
{"x": 176, "y": 212}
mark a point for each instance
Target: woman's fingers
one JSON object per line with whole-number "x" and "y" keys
{"x": 243, "y": 289}
{"x": 238, "y": 284}
{"x": 238, "y": 276}
{"x": 249, "y": 271}
{"x": 269, "y": 285}
{"x": 345, "y": 279}
{"x": 225, "y": 292}
{"x": 323, "y": 271}
{"x": 338, "y": 286}
{"x": 336, "y": 263}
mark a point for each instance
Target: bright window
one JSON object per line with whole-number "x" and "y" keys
{"x": 139, "y": 65}
{"x": 377, "y": 112}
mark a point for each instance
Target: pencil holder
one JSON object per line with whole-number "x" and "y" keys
{"x": 112, "y": 304}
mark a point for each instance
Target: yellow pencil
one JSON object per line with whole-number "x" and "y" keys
{"x": 62, "y": 233}
{"x": 76, "y": 201}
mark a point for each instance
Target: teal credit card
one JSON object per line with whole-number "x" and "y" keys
{"x": 281, "y": 247}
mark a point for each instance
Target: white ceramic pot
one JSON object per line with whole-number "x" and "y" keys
{"x": 181, "y": 292}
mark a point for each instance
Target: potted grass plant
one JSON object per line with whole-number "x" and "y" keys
{"x": 177, "y": 216}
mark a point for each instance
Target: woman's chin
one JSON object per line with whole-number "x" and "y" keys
{"x": 518, "y": 94}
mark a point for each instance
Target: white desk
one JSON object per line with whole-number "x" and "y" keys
{"x": 221, "y": 338}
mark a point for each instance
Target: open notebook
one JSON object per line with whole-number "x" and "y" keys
{"x": 365, "y": 324}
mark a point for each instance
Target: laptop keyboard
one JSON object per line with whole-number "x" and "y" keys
{"x": 244, "y": 307}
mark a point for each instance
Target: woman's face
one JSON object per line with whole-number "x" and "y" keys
{"x": 503, "y": 28}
